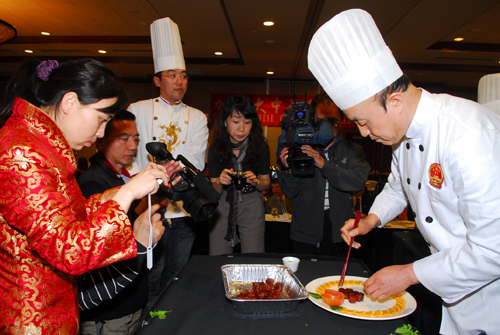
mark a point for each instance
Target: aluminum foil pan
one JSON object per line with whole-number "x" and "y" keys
{"x": 239, "y": 277}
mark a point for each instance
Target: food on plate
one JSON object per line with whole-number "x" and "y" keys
{"x": 352, "y": 295}
{"x": 398, "y": 307}
{"x": 333, "y": 298}
{"x": 263, "y": 290}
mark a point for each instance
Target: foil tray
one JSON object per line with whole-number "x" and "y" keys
{"x": 239, "y": 277}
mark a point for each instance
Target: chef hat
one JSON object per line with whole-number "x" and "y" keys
{"x": 350, "y": 59}
{"x": 167, "y": 47}
{"x": 488, "y": 92}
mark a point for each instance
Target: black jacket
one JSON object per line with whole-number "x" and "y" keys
{"x": 130, "y": 273}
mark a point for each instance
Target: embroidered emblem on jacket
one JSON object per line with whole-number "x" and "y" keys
{"x": 169, "y": 137}
{"x": 436, "y": 176}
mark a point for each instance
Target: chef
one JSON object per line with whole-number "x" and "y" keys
{"x": 184, "y": 131}
{"x": 446, "y": 165}
{"x": 488, "y": 92}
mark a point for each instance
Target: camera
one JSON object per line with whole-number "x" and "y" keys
{"x": 238, "y": 179}
{"x": 198, "y": 196}
{"x": 298, "y": 129}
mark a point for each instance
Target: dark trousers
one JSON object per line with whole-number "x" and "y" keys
{"x": 326, "y": 246}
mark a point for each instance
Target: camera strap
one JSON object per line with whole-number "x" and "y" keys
{"x": 149, "y": 255}
{"x": 149, "y": 252}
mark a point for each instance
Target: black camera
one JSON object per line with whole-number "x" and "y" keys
{"x": 238, "y": 179}
{"x": 195, "y": 190}
{"x": 298, "y": 129}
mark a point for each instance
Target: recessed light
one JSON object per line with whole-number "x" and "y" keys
{"x": 270, "y": 72}
{"x": 458, "y": 39}
{"x": 28, "y": 51}
{"x": 218, "y": 53}
{"x": 102, "y": 51}
{"x": 269, "y": 23}
{"x": 45, "y": 33}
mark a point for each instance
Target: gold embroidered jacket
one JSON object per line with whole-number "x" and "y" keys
{"x": 49, "y": 232}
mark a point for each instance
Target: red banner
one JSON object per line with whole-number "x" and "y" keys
{"x": 269, "y": 107}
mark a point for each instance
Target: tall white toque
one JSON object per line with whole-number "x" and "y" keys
{"x": 350, "y": 59}
{"x": 167, "y": 46}
{"x": 488, "y": 92}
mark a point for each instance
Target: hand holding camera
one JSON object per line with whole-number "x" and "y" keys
{"x": 239, "y": 178}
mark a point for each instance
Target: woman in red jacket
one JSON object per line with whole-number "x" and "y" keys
{"x": 49, "y": 232}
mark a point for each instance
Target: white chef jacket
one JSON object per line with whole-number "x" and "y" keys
{"x": 182, "y": 128}
{"x": 461, "y": 219}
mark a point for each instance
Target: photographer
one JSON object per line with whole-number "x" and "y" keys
{"x": 320, "y": 211}
{"x": 239, "y": 168}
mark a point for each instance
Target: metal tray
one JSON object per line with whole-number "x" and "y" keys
{"x": 238, "y": 277}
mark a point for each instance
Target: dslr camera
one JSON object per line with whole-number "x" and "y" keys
{"x": 195, "y": 190}
{"x": 299, "y": 129}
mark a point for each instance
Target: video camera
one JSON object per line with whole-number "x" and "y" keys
{"x": 299, "y": 129}
{"x": 195, "y": 190}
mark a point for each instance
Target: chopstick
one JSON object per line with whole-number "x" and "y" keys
{"x": 356, "y": 223}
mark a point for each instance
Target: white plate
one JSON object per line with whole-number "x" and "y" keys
{"x": 366, "y": 305}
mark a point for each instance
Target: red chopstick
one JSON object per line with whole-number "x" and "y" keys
{"x": 356, "y": 222}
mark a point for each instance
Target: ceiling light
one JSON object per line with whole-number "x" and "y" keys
{"x": 102, "y": 51}
{"x": 270, "y": 72}
{"x": 218, "y": 53}
{"x": 269, "y": 23}
{"x": 45, "y": 33}
{"x": 28, "y": 51}
{"x": 458, "y": 39}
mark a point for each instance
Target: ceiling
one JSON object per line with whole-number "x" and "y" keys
{"x": 419, "y": 32}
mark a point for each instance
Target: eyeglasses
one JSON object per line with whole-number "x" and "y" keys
{"x": 175, "y": 76}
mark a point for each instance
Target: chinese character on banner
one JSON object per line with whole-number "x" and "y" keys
{"x": 270, "y": 108}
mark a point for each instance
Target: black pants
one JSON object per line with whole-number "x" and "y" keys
{"x": 326, "y": 246}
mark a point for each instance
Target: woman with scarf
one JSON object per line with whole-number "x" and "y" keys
{"x": 49, "y": 233}
{"x": 238, "y": 153}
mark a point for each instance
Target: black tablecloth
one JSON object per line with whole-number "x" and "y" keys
{"x": 198, "y": 304}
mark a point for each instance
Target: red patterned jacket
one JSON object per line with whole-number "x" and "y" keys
{"x": 49, "y": 232}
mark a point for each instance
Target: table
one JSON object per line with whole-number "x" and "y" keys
{"x": 198, "y": 304}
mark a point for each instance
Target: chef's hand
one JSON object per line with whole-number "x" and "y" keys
{"x": 319, "y": 161}
{"x": 171, "y": 168}
{"x": 390, "y": 280}
{"x": 364, "y": 227}
{"x": 284, "y": 156}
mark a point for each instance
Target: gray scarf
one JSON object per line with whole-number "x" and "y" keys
{"x": 234, "y": 196}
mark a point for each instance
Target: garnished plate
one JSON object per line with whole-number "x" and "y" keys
{"x": 397, "y": 306}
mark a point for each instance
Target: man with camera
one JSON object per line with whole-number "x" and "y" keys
{"x": 184, "y": 130}
{"x": 323, "y": 202}
{"x": 106, "y": 308}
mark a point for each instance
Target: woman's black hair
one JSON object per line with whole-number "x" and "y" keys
{"x": 221, "y": 141}
{"x": 91, "y": 80}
